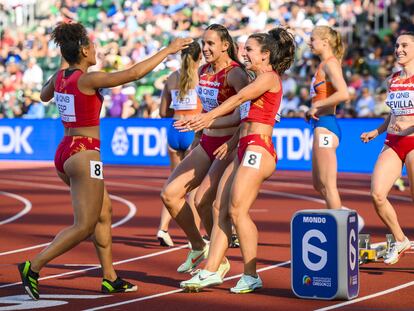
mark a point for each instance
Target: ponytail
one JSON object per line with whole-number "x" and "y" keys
{"x": 334, "y": 39}
{"x": 188, "y": 75}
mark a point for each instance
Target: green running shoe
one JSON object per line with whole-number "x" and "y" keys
{"x": 29, "y": 280}
{"x": 117, "y": 286}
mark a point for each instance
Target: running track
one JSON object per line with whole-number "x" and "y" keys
{"x": 35, "y": 205}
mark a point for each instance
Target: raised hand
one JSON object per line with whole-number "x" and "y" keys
{"x": 179, "y": 44}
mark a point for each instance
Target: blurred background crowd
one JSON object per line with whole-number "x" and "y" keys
{"x": 128, "y": 31}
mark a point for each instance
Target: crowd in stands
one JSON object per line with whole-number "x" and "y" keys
{"x": 127, "y": 31}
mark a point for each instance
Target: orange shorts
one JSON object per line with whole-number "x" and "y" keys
{"x": 71, "y": 145}
{"x": 256, "y": 140}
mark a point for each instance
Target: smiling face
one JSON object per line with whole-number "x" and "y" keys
{"x": 213, "y": 46}
{"x": 254, "y": 59}
{"x": 317, "y": 44}
{"x": 404, "y": 50}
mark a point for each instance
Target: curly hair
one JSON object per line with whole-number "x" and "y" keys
{"x": 70, "y": 37}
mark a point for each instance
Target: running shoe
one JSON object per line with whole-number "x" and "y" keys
{"x": 234, "y": 241}
{"x": 247, "y": 284}
{"x": 224, "y": 268}
{"x": 165, "y": 238}
{"x": 117, "y": 286}
{"x": 399, "y": 184}
{"x": 396, "y": 251}
{"x": 29, "y": 279}
{"x": 201, "y": 279}
{"x": 194, "y": 258}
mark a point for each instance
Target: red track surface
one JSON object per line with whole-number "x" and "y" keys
{"x": 141, "y": 260}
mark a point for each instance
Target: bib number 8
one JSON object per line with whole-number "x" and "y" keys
{"x": 96, "y": 169}
{"x": 252, "y": 159}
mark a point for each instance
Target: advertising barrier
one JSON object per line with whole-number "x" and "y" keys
{"x": 144, "y": 142}
{"x": 320, "y": 268}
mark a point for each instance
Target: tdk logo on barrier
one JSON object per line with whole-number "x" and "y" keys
{"x": 147, "y": 141}
{"x": 14, "y": 139}
{"x": 315, "y": 220}
{"x": 293, "y": 144}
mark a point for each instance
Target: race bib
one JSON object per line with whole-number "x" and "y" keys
{"x": 96, "y": 169}
{"x": 252, "y": 159}
{"x": 312, "y": 92}
{"x": 325, "y": 140}
{"x": 208, "y": 97}
{"x": 188, "y": 102}
{"x": 401, "y": 102}
{"x": 66, "y": 106}
{"x": 244, "y": 110}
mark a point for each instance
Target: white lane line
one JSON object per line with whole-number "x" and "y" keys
{"x": 384, "y": 292}
{"x": 26, "y": 209}
{"x": 343, "y": 190}
{"x": 131, "y": 213}
{"x": 178, "y": 290}
{"x": 98, "y": 266}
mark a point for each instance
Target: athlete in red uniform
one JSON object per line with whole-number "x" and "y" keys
{"x": 219, "y": 79}
{"x": 268, "y": 55}
{"x": 399, "y": 144}
{"x": 77, "y": 158}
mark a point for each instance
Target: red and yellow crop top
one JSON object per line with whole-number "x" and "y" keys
{"x": 400, "y": 97}
{"x": 265, "y": 108}
{"x": 213, "y": 89}
{"x": 76, "y": 109}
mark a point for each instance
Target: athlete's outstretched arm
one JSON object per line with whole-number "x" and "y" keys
{"x": 96, "y": 80}
{"x": 262, "y": 84}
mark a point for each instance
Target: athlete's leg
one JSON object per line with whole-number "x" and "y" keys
{"x": 324, "y": 167}
{"x": 251, "y": 178}
{"x": 102, "y": 239}
{"x": 220, "y": 236}
{"x": 87, "y": 207}
{"x": 207, "y": 191}
{"x": 175, "y": 158}
{"x": 387, "y": 170}
{"x": 186, "y": 177}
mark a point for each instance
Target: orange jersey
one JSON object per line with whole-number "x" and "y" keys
{"x": 320, "y": 87}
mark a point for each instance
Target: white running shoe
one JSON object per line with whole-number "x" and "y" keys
{"x": 396, "y": 251}
{"x": 165, "y": 238}
{"x": 194, "y": 258}
{"x": 203, "y": 278}
{"x": 224, "y": 268}
{"x": 247, "y": 284}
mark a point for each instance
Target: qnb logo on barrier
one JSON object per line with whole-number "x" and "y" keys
{"x": 147, "y": 141}
{"x": 293, "y": 143}
{"x": 14, "y": 139}
{"x": 308, "y": 248}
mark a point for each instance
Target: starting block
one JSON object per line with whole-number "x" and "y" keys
{"x": 373, "y": 252}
